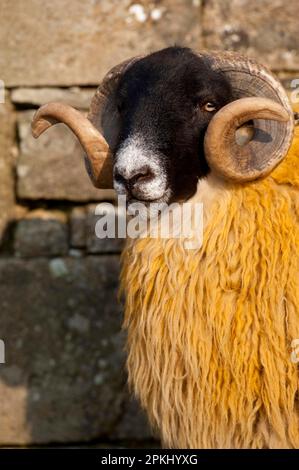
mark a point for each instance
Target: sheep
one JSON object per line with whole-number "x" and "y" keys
{"x": 209, "y": 329}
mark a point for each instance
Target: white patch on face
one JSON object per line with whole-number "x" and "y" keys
{"x": 131, "y": 158}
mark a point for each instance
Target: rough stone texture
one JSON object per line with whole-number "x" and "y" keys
{"x": 95, "y": 244}
{"x": 78, "y": 227}
{"x": 42, "y": 233}
{"x": 83, "y": 222}
{"x": 6, "y": 166}
{"x": 63, "y": 379}
{"x": 134, "y": 424}
{"x": 52, "y": 166}
{"x": 265, "y": 29}
{"x": 76, "y": 97}
{"x": 62, "y": 43}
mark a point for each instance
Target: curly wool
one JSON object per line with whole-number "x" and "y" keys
{"x": 210, "y": 330}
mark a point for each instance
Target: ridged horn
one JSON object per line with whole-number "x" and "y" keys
{"x": 260, "y": 98}
{"x": 242, "y": 162}
{"x": 98, "y": 161}
{"x": 94, "y": 132}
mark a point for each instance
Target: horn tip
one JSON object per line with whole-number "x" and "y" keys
{"x": 34, "y": 131}
{"x": 38, "y": 126}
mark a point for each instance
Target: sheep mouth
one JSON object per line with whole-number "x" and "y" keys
{"x": 164, "y": 199}
{"x": 147, "y": 202}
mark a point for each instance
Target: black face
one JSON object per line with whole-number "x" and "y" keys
{"x": 165, "y": 102}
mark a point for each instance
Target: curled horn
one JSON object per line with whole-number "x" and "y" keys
{"x": 259, "y": 99}
{"x": 248, "y": 161}
{"x": 97, "y": 132}
{"x": 98, "y": 163}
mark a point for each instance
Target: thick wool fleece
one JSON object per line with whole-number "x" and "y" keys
{"x": 210, "y": 330}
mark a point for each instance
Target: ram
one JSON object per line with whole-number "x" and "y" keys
{"x": 210, "y": 329}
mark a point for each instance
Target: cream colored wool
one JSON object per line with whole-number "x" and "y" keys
{"x": 210, "y": 330}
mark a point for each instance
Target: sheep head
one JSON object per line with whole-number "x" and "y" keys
{"x": 245, "y": 133}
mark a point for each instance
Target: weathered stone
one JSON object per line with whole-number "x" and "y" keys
{"x": 63, "y": 43}
{"x": 290, "y": 82}
{"x": 52, "y": 167}
{"x": 7, "y": 131}
{"x": 134, "y": 423}
{"x": 110, "y": 244}
{"x": 267, "y": 30}
{"x": 20, "y": 212}
{"x": 79, "y": 98}
{"x": 42, "y": 233}
{"x": 75, "y": 253}
{"x": 83, "y": 221}
{"x": 78, "y": 227}
{"x": 63, "y": 380}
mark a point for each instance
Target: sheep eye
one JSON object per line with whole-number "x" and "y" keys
{"x": 209, "y": 107}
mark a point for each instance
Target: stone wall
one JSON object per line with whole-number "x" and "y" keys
{"x": 64, "y": 380}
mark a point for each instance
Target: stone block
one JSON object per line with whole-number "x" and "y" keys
{"x": 95, "y": 244}
{"x": 79, "y": 98}
{"x": 63, "y": 380}
{"x": 134, "y": 424}
{"x": 71, "y": 42}
{"x": 52, "y": 167}
{"x": 78, "y": 227}
{"x": 264, "y": 29}
{"x": 41, "y": 233}
{"x": 7, "y": 151}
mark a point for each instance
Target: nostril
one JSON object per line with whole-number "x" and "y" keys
{"x": 130, "y": 178}
{"x": 143, "y": 175}
{"x": 119, "y": 178}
